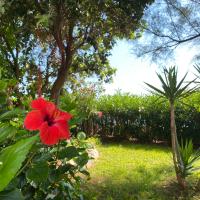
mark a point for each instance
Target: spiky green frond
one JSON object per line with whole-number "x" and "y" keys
{"x": 197, "y": 67}
{"x": 171, "y": 88}
{"x": 189, "y": 157}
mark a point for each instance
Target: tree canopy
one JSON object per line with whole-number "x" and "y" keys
{"x": 65, "y": 38}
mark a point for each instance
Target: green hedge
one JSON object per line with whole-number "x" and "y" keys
{"x": 145, "y": 118}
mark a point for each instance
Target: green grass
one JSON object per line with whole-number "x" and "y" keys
{"x": 134, "y": 172}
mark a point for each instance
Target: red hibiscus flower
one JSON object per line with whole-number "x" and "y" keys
{"x": 100, "y": 114}
{"x": 49, "y": 120}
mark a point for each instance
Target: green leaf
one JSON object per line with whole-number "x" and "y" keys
{"x": 6, "y": 132}
{"x": 38, "y": 172}
{"x": 11, "y": 195}
{"x": 11, "y": 114}
{"x": 3, "y": 98}
{"x": 3, "y": 85}
{"x": 12, "y": 158}
{"x": 160, "y": 92}
{"x": 82, "y": 159}
{"x": 85, "y": 172}
{"x": 68, "y": 152}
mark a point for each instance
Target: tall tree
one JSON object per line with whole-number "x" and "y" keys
{"x": 65, "y": 37}
{"x": 84, "y": 32}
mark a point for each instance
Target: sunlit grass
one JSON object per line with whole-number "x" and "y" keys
{"x": 132, "y": 172}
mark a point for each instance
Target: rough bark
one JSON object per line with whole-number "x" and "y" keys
{"x": 61, "y": 78}
{"x": 66, "y": 54}
{"x": 175, "y": 151}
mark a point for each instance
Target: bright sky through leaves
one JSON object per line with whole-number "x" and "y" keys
{"x": 132, "y": 71}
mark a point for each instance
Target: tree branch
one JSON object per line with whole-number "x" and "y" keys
{"x": 183, "y": 14}
{"x": 179, "y": 41}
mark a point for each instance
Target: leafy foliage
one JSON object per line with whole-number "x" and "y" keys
{"x": 46, "y": 172}
{"x": 67, "y": 39}
{"x": 56, "y": 173}
{"x": 10, "y": 166}
{"x": 30, "y": 170}
{"x": 7, "y": 131}
{"x": 12, "y": 194}
{"x": 13, "y": 151}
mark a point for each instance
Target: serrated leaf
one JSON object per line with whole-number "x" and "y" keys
{"x": 12, "y": 158}
{"x": 68, "y": 152}
{"x": 6, "y": 132}
{"x": 11, "y": 195}
{"x": 82, "y": 159}
{"x": 38, "y": 172}
{"x": 54, "y": 176}
{"x": 11, "y": 114}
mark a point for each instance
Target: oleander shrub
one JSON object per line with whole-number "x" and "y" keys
{"x": 144, "y": 118}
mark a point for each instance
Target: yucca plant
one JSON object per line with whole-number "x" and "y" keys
{"x": 189, "y": 156}
{"x": 172, "y": 90}
{"x": 197, "y": 68}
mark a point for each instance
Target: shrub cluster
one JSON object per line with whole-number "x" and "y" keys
{"x": 145, "y": 118}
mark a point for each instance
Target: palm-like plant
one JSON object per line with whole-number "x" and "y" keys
{"x": 189, "y": 157}
{"x": 172, "y": 90}
{"x": 197, "y": 68}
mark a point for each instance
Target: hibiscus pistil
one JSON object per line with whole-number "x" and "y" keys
{"x": 49, "y": 120}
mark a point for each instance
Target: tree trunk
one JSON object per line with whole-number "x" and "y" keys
{"x": 65, "y": 51}
{"x": 60, "y": 81}
{"x": 175, "y": 150}
{"x": 66, "y": 61}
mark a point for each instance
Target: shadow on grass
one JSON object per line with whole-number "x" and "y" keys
{"x": 171, "y": 190}
{"x": 132, "y": 146}
{"x": 142, "y": 184}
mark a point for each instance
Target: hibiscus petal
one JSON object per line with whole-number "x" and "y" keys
{"x": 63, "y": 128}
{"x": 60, "y": 116}
{"x": 46, "y": 107}
{"x": 39, "y": 104}
{"x": 50, "y": 108}
{"x": 49, "y": 135}
{"x": 33, "y": 120}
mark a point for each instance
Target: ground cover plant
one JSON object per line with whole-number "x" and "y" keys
{"x": 136, "y": 172}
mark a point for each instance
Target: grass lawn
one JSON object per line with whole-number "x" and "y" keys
{"x": 135, "y": 172}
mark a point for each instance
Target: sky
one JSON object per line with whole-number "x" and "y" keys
{"x": 132, "y": 72}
